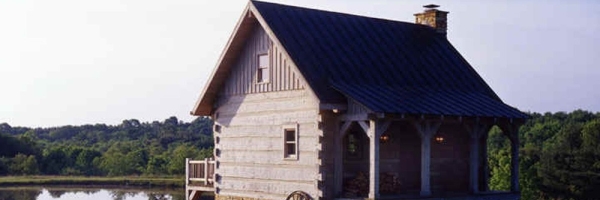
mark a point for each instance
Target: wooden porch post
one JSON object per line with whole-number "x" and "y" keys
{"x": 187, "y": 178}
{"x": 475, "y": 133}
{"x": 375, "y": 130}
{"x": 425, "y": 164}
{"x": 484, "y": 160}
{"x": 373, "y": 160}
{"x": 426, "y": 130}
{"x": 512, "y": 132}
{"x": 474, "y": 164}
{"x": 338, "y": 161}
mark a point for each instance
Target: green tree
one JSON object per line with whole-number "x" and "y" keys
{"x": 177, "y": 162}
{"x": 85, "y": 162}
{"x": 24, "y": 165}
{"x": 500, "y": 166}
{"x": 157, "y": 165}
{"x": 54, "y": 160}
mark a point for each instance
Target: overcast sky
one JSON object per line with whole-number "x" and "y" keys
{"x": 85, "y": 62}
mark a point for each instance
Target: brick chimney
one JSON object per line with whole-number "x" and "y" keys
{"x": 433, "y": 17}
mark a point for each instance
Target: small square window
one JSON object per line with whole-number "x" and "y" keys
{"x": 290, "y": 145}
{"x": 262, "y": 76}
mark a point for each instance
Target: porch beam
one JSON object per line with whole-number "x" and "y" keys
{"x": 345, "y": 127}
{"x": 364, "y": 126}
{"x": 426, "y": 131}
{"x": 354, "y": 117}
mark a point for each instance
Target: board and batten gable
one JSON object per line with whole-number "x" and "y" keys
{"x": 252, "y": 118}
{"x": 243, "y": 77}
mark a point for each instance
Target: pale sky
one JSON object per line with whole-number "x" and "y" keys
{"x": 85, "y": 62}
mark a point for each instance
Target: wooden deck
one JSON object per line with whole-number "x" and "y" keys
{"x": 199, "y": 177}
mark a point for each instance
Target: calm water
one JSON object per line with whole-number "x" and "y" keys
{"x": 73, "y": 193}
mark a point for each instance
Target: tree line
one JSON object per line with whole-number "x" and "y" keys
{"x": 559, "y": 152}
{"x": 130, "y": 148}
{"x": 559, "y": 156}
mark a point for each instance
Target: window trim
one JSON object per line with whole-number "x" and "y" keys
{"x": 259, "y": 78}
{"x": 295, "y": 128}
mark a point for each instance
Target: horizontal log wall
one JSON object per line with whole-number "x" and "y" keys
{"x": 250, "y": 148}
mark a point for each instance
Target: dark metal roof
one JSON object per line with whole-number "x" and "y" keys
{"x": 427, "y": 101}
{"x": 375, "y": 55}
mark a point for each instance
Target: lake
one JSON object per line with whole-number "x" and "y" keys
{"x": 81, "y": 193}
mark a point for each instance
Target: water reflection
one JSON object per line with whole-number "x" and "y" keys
{"x": 72, "y": 193}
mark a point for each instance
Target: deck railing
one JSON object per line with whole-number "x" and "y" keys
{"x": 199, "y": 171}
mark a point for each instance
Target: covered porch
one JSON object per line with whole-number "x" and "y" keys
{"x": 387, "y": 156}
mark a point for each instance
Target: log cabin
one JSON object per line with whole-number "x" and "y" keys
{"x": 344, "y": 106}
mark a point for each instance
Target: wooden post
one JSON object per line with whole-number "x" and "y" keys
{"x": 425, "y": 165}
{"x": 205, "y": 171}
{"x": 338, "y": 158}
{"x": 373, "y": 160}
{"x": 187, "y": 178}
{"x": 210, "y": 175}
{"x": 484, "y": 160}
{"x": 187, "y": 171}
{"x": 339, "y": 167}
{"x": 476, "y": 131}
{"x": 426, "y": 130}
{"x": 474, "y": 162}
{"x": 375, "y": 130}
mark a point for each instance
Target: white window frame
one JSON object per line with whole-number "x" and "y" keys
{"x": 260, "y": 78}
{"x": 286, "y": 143}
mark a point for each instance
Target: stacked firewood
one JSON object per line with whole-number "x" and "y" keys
{"x": 388, "y": 183}
{"x": 359, "y": 185}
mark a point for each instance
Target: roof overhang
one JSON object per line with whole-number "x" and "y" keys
{"x": 235, "y": 44}
{"x": 250, "y": 18}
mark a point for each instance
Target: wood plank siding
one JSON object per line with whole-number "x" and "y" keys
{"x": 244, "y": 73}
{"x": 355, "y": 108}
{"x": 252, "y": 117}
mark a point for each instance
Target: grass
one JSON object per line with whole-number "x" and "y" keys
{"x": 133, "y": 181}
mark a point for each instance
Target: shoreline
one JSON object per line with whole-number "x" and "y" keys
{"x": 94, "y": 181}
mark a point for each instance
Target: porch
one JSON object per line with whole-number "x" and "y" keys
{"x": 418, "y": 157}
{"x": 199, "y": 177}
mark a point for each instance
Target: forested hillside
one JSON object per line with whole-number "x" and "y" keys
{"x": 131, "y": 148}
{"x": 559, "y": 154}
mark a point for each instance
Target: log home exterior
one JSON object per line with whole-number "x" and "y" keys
{"x": 306, "y": 100}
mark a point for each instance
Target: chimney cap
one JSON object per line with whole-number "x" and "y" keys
{"x": 431, "y": 6}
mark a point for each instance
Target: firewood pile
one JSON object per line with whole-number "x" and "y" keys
{"x": 388, "y": 183}
{"x": 359, "y": 185}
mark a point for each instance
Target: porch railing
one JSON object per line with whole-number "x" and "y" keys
{"x": 200, "y": 172}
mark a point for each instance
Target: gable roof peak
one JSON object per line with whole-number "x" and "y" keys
{"x": 344, "y": 56}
